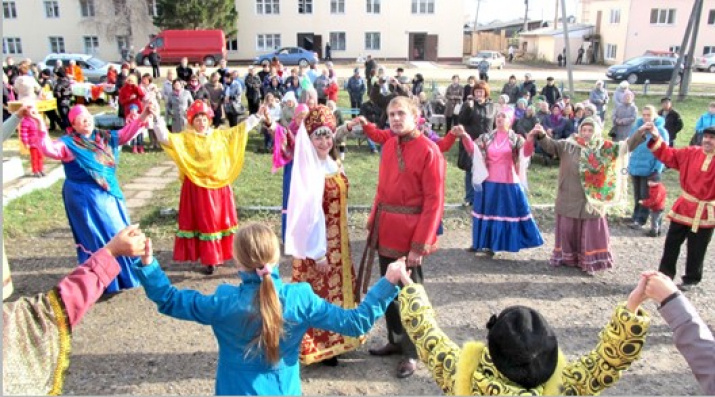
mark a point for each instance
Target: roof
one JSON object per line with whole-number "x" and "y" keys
{"x": 548, "y": 31}
{"x": 501, "y": 24}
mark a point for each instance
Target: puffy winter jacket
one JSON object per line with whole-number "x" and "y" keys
{"x": 642, "y": 161}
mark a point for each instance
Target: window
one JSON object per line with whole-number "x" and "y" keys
{"x": 91, "y": 44}
{"x": 373, "y": 6}
{"x": 86, "y": 8}
{"x": 268, "y": 42}
{"x": 11, "y": 45}
{"x": 57, "y": 44}
{"x": 305, "y": 6}
{"x": 8, "y": 10}
{"x": 153, "y": 8}
{"x": 662, "y": 16}
{"x": 337, "y": 6}
{"x": 337, "y": 41}
{"x": 52, "y": 9}
{"x": 615, "y": 16}
{"x": 232, "y": 44}
{"x": 711, "y": 17}
{"x": 611, "y": 51}
{"x": 122, "y": 43}
{"x": 267, "y": 7}
{"x": 372, "y": 41}
{"x": 120, "y": 6}
{"x": 709, "y": 49}
{"x": 423, "y": 6}
{"x": 674, "y": 48}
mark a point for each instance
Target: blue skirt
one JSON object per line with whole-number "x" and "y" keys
{"x": 287, "y": 172}
{"x": 502, "y": 219}
{"x": 95, "y": 216}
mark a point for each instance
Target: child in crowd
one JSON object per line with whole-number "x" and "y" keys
{"x": 29, "y": 136}
{"x": 138, "y": 142}
{"x": 655, "y": 203}
{"x": 259, "y": 324}
{"x": 273, "y": 106}
{"x": 331, "y": 91}
{"x": 522, "y": 354}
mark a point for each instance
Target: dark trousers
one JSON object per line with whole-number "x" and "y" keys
{"x": 64, "y": 111}
{"x": 468, "y": 187}
{"x": 696, "y": 249}
{"x": 55, "y": 121}
{"x": 155, "y": 72}
{"x": 395, "y": 332}
{"x": 218, "y": 117}
{"x": 355, "y": 103}
{"x": 656, "y": 220}
{"x": 640, "y": 192}
{"x": 253, "y": 106}
{"x": 232, "y": 119}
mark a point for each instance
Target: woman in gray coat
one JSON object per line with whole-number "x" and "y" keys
{"x": 176, "y": 106}
{"x": 624, "y": 115}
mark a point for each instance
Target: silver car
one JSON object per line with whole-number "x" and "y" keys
{"x": 94, "y": 69}
{"x": 706, "y": 62}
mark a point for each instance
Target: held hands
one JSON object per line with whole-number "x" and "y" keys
{"x": 458, "y": 131}
{"x": 397, "y": 272}
{"x": 659, "y": 287}
{"x": 361, "y": 120}
{"x": 537, "y": 131}
{"x": 414, "y": 259}
{"x": 130, "y": 241}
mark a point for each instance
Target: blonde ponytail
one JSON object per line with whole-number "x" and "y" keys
{"x": 256, "y": 245}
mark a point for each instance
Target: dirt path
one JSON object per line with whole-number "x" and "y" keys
{"x": 124, "y": 346}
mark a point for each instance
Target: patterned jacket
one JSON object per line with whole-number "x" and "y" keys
{"x": 470, "y": 370}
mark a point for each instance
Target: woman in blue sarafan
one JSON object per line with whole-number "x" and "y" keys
{"x": 94, "y": 202}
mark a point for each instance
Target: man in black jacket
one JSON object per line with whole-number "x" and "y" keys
{"x": 551, "y": 92}
{"x": 528, "y": 86}
{"x": 184, "y": 71}
{"x": 253, "y": 85}
{"x": 673, "y": 121}
{"x": 154, "y": 60}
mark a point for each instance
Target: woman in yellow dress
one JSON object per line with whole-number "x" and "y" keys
{"x": 209, "y": 160}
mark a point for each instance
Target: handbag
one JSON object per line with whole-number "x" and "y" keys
{"x": 234, "y": 107}
{"x": 612, "y": 132}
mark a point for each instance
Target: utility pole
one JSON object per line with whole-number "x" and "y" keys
{"x": 569, "y": 66}
{"x": 683, "y": 45}
{"x": 685, "y": 82}
{"x": 476, "y": 15}
{"x": 526, "y": 16}
{"x": 556, "y": 16}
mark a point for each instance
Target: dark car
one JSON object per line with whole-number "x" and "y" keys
{"x": 289, "y": 56}
{"x": 638, "y": 70}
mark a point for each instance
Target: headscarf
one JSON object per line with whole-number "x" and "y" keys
{"x": 305, "y": 225}
{"x": 600, "y": 168}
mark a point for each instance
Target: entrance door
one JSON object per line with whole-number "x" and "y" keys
{"x": 431, "y": 45}
{"x": 306, "y": 41}
{"x": 318, "y": 45}
{"x": 417, "y": 46}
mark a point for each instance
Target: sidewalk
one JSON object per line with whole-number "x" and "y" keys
{"x": 141, "y": 190}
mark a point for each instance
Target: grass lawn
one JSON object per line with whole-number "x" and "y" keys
{"x": 43, "y": 211}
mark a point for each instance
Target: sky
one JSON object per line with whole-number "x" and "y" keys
{"x": 490, "y": 10}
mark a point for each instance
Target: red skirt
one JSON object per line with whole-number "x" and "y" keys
{"x": 207, "y": 223}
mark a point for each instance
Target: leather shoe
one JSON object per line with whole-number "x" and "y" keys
{"x": 685, "y": 287}
{"x": 406, "y": 367}
{"x": 387, "y": 350}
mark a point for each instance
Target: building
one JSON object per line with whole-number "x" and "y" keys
{"x": 34, "y": 28}
{"x": 395, "y": 29}
{"x": 496, "y": 36}
{"x": 547, "y": 43}
{"x": 626, "y": 31}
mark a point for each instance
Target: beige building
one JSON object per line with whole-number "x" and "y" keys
{"x": 394, "y": 29}
{"x": 547, "y": 43}
{"x": 629, "y": 28}
{"x": 35, "y": 28}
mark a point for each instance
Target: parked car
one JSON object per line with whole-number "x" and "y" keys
{"x": 640, "y": 69}
{"x": 289, "y": 56}
{"x": 93, "y": 68}
{"x": 495, "y": 59}
{"x": 658, "y": 53}
{"x": 206, "y": 46}
{"x": 706, "y": 62}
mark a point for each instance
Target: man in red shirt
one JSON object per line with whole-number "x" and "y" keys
{"x": 693, "y": 214}
{"x": 406, "y": 213}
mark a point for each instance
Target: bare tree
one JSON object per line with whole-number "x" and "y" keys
{"x": 122, "y": 17}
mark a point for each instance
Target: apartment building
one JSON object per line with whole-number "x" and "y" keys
{"x": 394, "y": 29}
{"x": 628, "y": 28}
{"x": 34, "y": 28}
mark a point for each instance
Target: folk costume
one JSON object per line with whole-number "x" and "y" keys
{"x": 406, "y": 213}
{"x": 317, "y": 229}
{"x": 693, "y": 214}
{"x": 37, "y": 331}
{"x": 591, "y": 179}
{"x": 208, "y": 163}
{"x": 511, "y": 364}
{"x": 501, "y": 217}
{"x": 93, "y": 200}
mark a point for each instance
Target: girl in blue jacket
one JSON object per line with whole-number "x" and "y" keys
{"x": 260, "y": 323}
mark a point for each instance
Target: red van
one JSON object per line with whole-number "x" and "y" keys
{"x": 207, "y": 46}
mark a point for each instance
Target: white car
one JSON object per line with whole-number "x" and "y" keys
{"x": 93, "y": 69}
{"x": 495, "y": 59}
{"x": 706, "y": 62}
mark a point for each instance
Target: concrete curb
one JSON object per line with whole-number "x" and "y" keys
{"x": 41, "y": 183}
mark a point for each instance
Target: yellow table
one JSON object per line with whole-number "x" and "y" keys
{"x": 44, "y": 105}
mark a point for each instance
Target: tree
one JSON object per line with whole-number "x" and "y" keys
{"x": 197, "y": 14}
{"x": 121, "y": 18}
